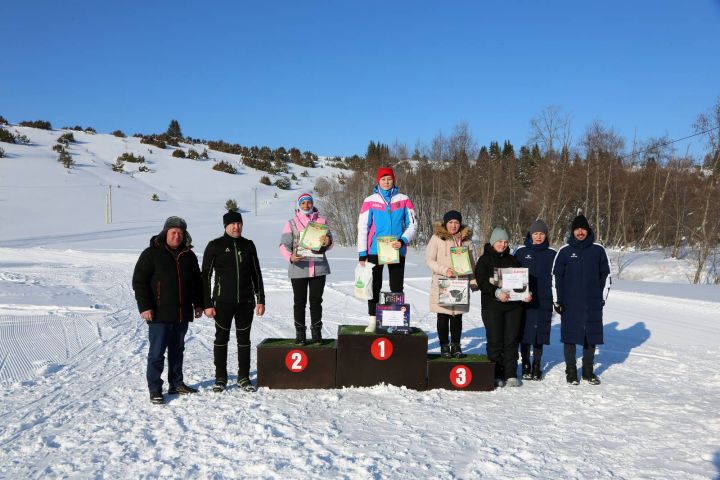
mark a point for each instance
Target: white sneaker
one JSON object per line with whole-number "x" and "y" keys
{"x": 372, "y": 323}
{"x": 499, "y": 383}
{"x": 512, "y": 382}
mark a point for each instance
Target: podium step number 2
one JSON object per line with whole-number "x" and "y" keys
{"x": 283, "y": 364}
{"x": 296, "y": 361}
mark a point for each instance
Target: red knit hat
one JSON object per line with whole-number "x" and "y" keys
{"x": 383, "y": 171}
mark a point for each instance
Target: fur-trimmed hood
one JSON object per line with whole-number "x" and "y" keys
{"x": 441, "y": 231}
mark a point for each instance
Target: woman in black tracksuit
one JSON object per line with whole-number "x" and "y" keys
{"x": 501, "y": 317}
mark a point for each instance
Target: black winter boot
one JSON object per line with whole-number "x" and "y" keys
{"x": 589, "y": 376}
{"x": 445, "y": 351}
{"x": 316, "y": 335}
{"x": 526, "y": 372}
{"x": 571, "y": 374}
{"x": 300, "y": 337}
{"x": 181, "y": 389}
{"x": 455, "y": 351}
{"x": 536, "y": 372}
{"x": 157, "y": 398}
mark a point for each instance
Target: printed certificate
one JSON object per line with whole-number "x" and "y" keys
{"x": 386, "y": 253}
{"x": 312, "y": 236}
{"x": 460, "y": 259}
{"x": 514, "y": 281}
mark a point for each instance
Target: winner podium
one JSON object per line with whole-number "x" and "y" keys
{"x": 360, "y": 359}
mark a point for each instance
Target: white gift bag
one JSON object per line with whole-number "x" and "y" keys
{"x": 363, "y": 281}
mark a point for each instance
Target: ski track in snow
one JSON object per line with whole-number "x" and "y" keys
{"x": 75, "y": 402}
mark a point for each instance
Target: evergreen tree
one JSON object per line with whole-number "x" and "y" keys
{"x": 66, "y": 159}
{"x": 7, "y": 136}
{"x": 483, "y": 156}
{"x": 508, "y": 151}
{"x": 527, "y": 166}
{"x": 495, "y": 153}
{"x": 174, "y": 129}
{"x": 231, "y": 205}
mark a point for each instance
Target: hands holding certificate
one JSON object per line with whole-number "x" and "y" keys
{"x": 504, "y": 296}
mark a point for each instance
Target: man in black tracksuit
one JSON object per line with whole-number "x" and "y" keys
{"x": 238, "y": 289}
{"x": 168, "y": 290}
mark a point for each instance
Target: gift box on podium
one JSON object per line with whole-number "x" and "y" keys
{"x": 393, "y": 319}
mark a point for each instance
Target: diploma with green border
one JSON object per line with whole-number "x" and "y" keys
{"x": 460, "y": 259}
{"x": 386, "y": 253}
{"x": 312, "y": 236}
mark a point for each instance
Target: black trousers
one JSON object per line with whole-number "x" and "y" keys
{"x": 525, "y": 352}
{"x": 502, "y": 329}
{"x": 397, "y": 277}
{"x": 455, "y": 321}
{"x": 316, "y": 286}
{"x": 588, "y": 357}
{"x": 243, "y": 314}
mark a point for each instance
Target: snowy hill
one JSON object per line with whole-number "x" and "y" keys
{"x": 73, "y": 350}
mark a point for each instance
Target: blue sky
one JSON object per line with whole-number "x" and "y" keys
{"x": 330, "y": 76}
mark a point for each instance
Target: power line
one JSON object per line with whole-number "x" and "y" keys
{"x": 669, "y": 142}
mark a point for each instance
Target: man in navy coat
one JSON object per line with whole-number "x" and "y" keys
{"x": 581, "y": 282}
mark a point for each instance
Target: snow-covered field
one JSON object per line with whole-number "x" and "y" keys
{"x": 74, "y": 401}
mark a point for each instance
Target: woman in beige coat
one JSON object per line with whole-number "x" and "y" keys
{"x": 448, "y": 233}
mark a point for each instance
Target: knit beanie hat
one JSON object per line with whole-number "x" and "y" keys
{"x": 538, "y": 226}
{"x": 303, "y": 197}
{"x": 580, "y": 222}
{"x": 383, "y": 171}
{"x": 498, "y": 234}
{"x": 232, "y": 217}
{"x": 175, "y": 222}
{"x": 452, "y": 215}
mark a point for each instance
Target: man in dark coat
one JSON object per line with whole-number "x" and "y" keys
{"x": 238, "y": 291}
{"x": 168, "y": 290}
{"x": 537, "y": 257}
{"x": 581, "y": 282}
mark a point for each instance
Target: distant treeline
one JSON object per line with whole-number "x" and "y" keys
{"x": 650, "y": 198}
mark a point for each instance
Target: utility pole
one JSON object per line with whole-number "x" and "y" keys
{"x": 108, "y": 205}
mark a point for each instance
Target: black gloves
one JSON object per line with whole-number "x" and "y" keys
{"x": 558, "y": 308}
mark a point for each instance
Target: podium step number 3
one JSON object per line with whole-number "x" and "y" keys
{"x": 460, "y": 376}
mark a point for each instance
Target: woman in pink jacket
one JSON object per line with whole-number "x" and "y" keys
{"x": 306, "y": 271}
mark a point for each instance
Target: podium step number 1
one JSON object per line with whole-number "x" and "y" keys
{"x": 381, "y": 349}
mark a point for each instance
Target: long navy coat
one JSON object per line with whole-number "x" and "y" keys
{"x": 581, "y": 277}
{"x": 538, "y": 259}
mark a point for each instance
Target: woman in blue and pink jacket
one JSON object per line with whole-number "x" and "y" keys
{"x": 306, "y": 273}
{"x": 385, "y": 212}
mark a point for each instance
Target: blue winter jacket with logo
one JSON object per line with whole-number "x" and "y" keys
{"x": 581, "y": 282}
{"x": 538, "y": 259}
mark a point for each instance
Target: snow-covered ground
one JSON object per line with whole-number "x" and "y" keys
{"x": 74, "y": 401}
